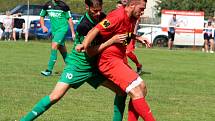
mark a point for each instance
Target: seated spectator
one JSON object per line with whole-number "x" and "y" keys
{"x": 8, "y": 26}
{"x": 19, "y": 27}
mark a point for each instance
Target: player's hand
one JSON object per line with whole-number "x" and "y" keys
{"x": 119, "y": 38}
{"x": 45, "y": 29}
{"x": 146, "y": 42}
{"x": 79, "y": 48}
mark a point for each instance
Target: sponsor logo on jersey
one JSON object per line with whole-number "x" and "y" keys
{"x": 105, "y": 23}
{"x": 69, "y": 75}
{"x": 54, "y": 14}
{"x": 128, "y": 39}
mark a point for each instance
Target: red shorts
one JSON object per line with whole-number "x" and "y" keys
{"x": 131, "y": 46}
{"x": 116, "y": 70}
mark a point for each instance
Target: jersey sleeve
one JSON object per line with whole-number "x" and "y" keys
{"x": 43, "y": 12}
{"x": 68, "y": 14}
{"x": 66, "y": 9}
{"x": 108, "y": 25}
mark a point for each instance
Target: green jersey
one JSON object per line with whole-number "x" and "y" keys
{"x": 82, "y": 60}
{"x": 59, "y": 13}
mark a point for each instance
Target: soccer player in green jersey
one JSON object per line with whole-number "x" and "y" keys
{"x": 60, "y": 17}
{"x": 79, "y": 68}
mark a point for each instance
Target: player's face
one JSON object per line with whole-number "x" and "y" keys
{"x": 139, "y": 9}
{"x": 95, "y": 12}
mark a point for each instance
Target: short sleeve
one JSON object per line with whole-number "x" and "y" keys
{"x": 43, "y": 12}
{"x": 67, "y": 11}
{"x": 108, "y": 25}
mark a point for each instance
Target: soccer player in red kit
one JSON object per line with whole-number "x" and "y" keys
{"x": 111, "y": 61}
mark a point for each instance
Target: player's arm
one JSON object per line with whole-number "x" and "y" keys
{"x": 141, "y": 39}
{"x": 42, "y": 23}
{"x": 94, "y": 50}
{"x": 90, "y": 37}
{"x": 71, "y": 25}
{"x": 43, "y": 13}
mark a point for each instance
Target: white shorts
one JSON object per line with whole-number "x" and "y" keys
{"x": 134, "y": 84}
{"x": 19, "y": 30}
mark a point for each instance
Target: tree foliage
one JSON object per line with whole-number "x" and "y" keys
{"x": 208, "y": 6}
{"x": 76, "y": 6}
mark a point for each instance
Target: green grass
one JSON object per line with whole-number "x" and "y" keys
{"x": 180, "y": 85}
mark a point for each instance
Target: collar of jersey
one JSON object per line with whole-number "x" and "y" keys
{"x": 88, "y": 17}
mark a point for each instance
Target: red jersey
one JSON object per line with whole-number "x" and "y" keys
{"x": 116, "y": 22}
{"x": 111, "y": 62}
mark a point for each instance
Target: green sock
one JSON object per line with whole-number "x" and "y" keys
{"x": 119, "y": 107}
{"x": 64, "y": 55}
{"x": 52, "y": 60}
{"x": 38, "y": 109}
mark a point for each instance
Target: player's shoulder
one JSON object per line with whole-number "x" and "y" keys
{"x": 84, "y": 26}
{"x": 116, "y": 14}
{"x": 83, "y": 22}
{"x": 64, "y": 6}
{"x": 46, "y": 5}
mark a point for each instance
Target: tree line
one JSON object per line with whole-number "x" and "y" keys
{"x": 77, "y": 6}
{"x": 208, "y": 6}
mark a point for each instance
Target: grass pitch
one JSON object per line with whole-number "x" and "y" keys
{"x": 180, "y": 85}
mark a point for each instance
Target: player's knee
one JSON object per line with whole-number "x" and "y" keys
{"x": 54, "y": 98}
{"x": 137, "y": 89}
{"x": 55, "y": 46}
{"x": 136, "y": 92}
{"x": 143, "y": 88}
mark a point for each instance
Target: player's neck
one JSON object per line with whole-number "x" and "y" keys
{"x": 128, "y": 11}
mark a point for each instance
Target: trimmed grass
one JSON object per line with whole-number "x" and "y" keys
{"x": 180, "y": 85}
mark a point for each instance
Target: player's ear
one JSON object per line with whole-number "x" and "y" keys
{"x": 132, "y": 4}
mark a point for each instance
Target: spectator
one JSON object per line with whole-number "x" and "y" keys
{"x": 171, "y": 31}
{"x": 1, "y": 30}
{"x": 208, "y": 38}
{"x": 213, "y": 24}
{"x": 8, "y": 26}
{"x": 19, "y": 27}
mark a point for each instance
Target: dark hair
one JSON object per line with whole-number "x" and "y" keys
{"x": 119, "y": 2}
{"x": 93, "y": 2}
{"x": 209, "y": 23}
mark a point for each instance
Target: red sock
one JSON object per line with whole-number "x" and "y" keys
{"x": 133, "y": 57}
{"x": 132, "y": 114}
{"x": 142, "y": 108}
